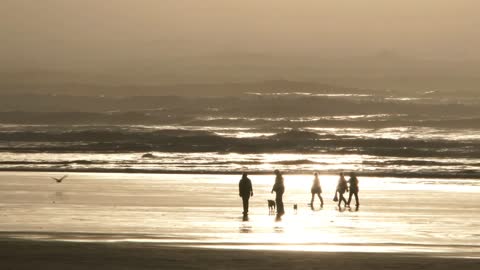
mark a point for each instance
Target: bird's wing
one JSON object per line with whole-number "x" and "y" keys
{"x": 56, "y": 179}
{"x": 63, "y": 177}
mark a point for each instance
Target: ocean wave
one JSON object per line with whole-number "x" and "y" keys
{"x": 430, "y": 174}
{"x": 418, "y": 163}
{"x": 296, "y": 162}
{"x": 295, "y": 135}
{"x": 298, "y": 141}
{"x": 162, "y": 161}
{"x": 159, "y": 160}
{"x": 340, "y": 121}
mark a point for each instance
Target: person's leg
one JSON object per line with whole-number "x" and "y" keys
{"x": 357, "y": 201}
{"x": 281, "y": 205}
{"x": 321, "y": 199}
{"x": 245, "y": 204}
{"x": 313, "y": 197}
{"x": 343, "y": 199}
{"x": 349, "y": 198}
{"x": 279, "y": 202}
{"x": 283, "y": 208}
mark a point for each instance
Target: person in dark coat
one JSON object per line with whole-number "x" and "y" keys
{"x": 245, "y": 190}
{"x": 353, "y": 182}
{"x": 279, "y": 189}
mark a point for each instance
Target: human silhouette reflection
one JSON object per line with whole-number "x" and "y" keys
{"x": 245, "y": 229}
{"x": 354, "y": 209}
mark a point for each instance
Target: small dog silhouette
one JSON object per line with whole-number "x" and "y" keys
{"x": 271, "y": 206}
{"x": 295, "y": 208}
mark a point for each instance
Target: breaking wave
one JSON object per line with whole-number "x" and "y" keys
{"x": 293, "y": 141}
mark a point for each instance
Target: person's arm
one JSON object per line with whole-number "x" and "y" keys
{"x": 240, "y": 188}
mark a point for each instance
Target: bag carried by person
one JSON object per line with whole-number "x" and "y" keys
{"x": 335, "y": 199}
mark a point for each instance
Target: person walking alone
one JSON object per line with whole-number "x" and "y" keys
{"x": 245, "y": 190}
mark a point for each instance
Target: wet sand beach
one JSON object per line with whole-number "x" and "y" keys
{"x": 152, "y": 221}
{"x": 21, "y": 254}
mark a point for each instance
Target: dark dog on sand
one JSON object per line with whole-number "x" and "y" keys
{"x": 271, "y": 206}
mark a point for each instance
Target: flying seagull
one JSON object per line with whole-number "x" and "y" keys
{"x": 59, "y": 180}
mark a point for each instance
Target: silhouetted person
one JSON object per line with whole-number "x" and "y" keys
{"x": 353, "y": 181}
{"x": 245, "y": 191}
{"x": 279, "y": 189}
{"x": 341, "y": 189}
{"x": 316, "y": 190}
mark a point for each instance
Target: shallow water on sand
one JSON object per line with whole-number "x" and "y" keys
{"x": 396, "y": 215}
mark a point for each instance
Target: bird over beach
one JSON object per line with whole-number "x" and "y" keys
{"x": 59, "y": 180}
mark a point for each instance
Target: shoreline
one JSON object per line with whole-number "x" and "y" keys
{"x": 200, "y": 172}
{"x": 30, "y": 254}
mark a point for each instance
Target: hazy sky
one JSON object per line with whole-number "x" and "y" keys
{"x": 177, "y": 39}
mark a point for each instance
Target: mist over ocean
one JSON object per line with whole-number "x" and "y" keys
{"x": 383, "y": 133}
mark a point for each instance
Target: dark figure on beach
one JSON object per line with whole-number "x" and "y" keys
{"x": 279, "y": 189}
{"x": 353, "y": 181}
{"x": 245, "y": 191}
{"x": 316, "y": 190}
{"x": 341, "y": 189}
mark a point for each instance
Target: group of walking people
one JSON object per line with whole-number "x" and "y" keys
{"x": 351, "y": 187}
{"x": 246, "y": 191}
